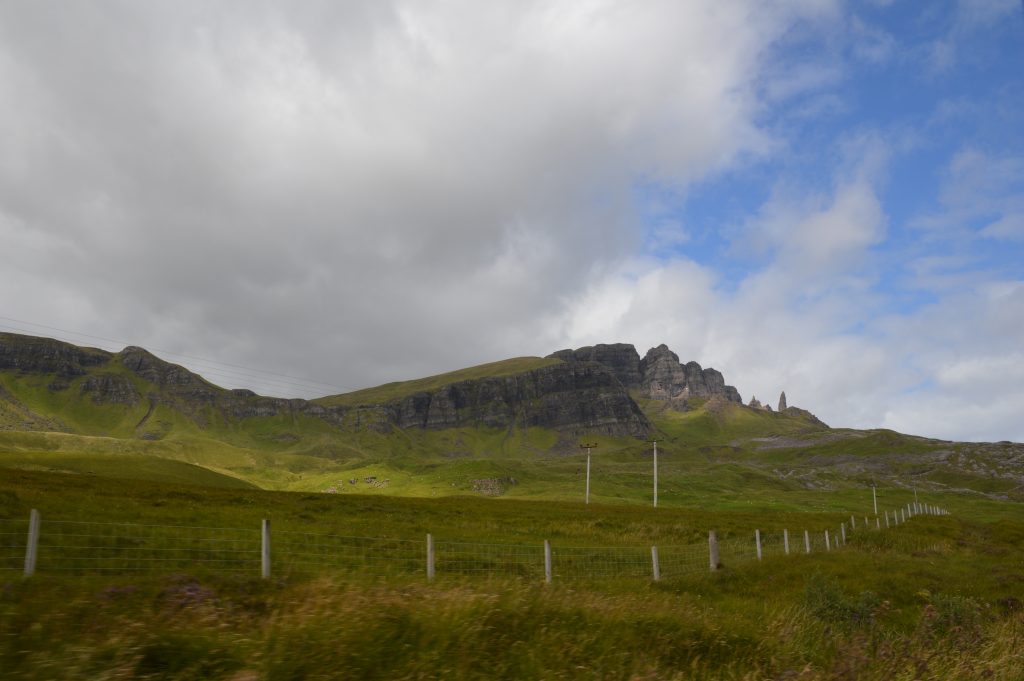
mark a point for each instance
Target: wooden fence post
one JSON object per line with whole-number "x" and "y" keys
{"x": 32, "y": 543}
{"x": 713, "y": 549}
{"x": 430, "y": 557}
{"x": 655, "y": 566}
{"x": 757, "y": 541}
{"x": 842, "y": 530}
{"x": 547, "y": 561}
{"x": 828, "y": 547}
{"x": 265, "y": 549}
{"x": 785, "y": 540}
{"x": 807, "y": 541}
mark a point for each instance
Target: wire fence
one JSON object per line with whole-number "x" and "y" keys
{"x": 13, "y": 538}
{"x": 305, "y": 552}
{"x": 93, "y": 547}
{"x": 123, "y": 547}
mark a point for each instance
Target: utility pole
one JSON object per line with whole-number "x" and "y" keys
{"x": 655, "y": 473}
{"x": 588, "y": 446}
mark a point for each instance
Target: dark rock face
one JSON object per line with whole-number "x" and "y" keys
{"x": 176, "y": 385}
{"x": 621, "y": 358}
{"x": 28, "y": 354}
{"x": 782, "y": 401}
{"x": 156, "y": 370}
{"x": 588, "y": 391}
{"x": 111, "y": 389}
{"x": 659, "y": 375}
{"x": 666, "y": 379}
{"x": 569, "y": 396}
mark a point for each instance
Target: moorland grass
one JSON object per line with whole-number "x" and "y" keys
{"x": 752, "y": 622}
{"x": 401, "y": 389}
{"x": 939, "y": 598}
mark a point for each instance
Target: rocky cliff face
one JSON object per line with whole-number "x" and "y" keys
{"x": 621, "y": 358}
{"x": 571, "y": 397}
{"x": 665, "y": 378}
{"x": 28, "y": 354}
{"x": 659, "y": 375}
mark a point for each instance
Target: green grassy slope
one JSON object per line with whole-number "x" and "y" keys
{"x": 400, "y": 389}
{"x": 716, "y": 450}
{"x": 906, "y": 604}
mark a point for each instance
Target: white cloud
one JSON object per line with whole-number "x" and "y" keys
{"x": 871, "y": 43}
{"x": 1010, "y": 226}
{"x": 981, "y": 193}
{"x": 971, "y": 18}
{"x": 977, "y": 14}
{"x": 377, "y": 190}
{"x": 368, "y": 192}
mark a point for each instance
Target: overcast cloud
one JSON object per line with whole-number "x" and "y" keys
{"x": 358, "y": 192}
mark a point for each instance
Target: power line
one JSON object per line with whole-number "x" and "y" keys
{"x": 266, "y": 377}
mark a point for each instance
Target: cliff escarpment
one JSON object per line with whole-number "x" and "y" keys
{"x": 659, "y": 375}
{"x": 570, "y": 397}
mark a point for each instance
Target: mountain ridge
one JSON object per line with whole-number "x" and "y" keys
{"x": 512, "y": 427}
{"x": 544, "y": 393}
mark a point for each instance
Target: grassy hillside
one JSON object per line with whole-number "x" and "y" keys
{"x": 908, "y": 604}
{"x": 939, "y": 598}
{"x": 400, "y": 389}
{"x": 717, "y": 451}
{"x": 713, "y": 452}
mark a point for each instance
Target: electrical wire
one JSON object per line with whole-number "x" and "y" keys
{"x": 236, "y": 372}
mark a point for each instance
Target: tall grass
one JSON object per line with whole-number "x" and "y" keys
{"x": 181, "y": 627}
{"x": 940, "y": 598}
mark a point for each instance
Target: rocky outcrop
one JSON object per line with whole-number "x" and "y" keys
{"x": 659, "y": 375}
{"x": 29, "y": 354}
{"x": 171, "y": 379}
{"x": 107, "y": 388}
{"x": 664, "y": 377}
{"x": 782, "y": 401}
{"x": 806, "y": 415}
{"x": 621, "y": 358}
{"x": 573, "y": 397}
{"x": 755, "y": 403}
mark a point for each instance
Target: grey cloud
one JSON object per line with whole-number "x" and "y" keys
{"x": 355, "y": 191}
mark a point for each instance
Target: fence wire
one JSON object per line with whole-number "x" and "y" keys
{"x": 124, "y": 547}
{"x": 13, "y": 538}
{"x": 73, "y": 546}
{"x": 687, "y": 559}
{"x": 298, "y": 552}
{"x": 585, "y": 562}
{"x": 505, "y": 560}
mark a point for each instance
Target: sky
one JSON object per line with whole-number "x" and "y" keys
{"x": 307, "y": 198}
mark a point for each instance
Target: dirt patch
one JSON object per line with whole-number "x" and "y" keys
{"x": 780, "y": 442}
{"x": 492, "y": 487}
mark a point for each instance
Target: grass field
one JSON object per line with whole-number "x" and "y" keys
{"x": 937, "y": 598}
{"x": 940, "y": 599}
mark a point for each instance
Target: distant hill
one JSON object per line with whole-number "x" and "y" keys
{"x": 510, "y": 428}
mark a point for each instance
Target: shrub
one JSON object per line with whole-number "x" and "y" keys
{"x": 827, "y": 601}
